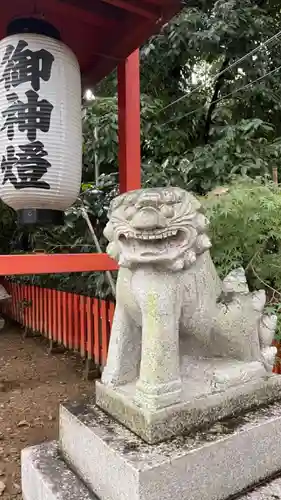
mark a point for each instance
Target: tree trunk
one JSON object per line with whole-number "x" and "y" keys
{"x": 213, "y": 103}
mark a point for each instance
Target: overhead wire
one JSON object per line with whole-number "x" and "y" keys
{"x": 221, "y": 98}
{"x": 220, "y": 73}
{"x": 215, "y": 77}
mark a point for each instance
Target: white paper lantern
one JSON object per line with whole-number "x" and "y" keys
{"x": 40, "y": 124}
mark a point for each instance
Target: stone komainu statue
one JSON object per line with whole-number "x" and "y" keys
{"x": 170, "y": 299}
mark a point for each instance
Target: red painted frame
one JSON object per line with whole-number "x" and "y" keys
{"x": 129, "y": 123}
{"x": 129, "y": 177}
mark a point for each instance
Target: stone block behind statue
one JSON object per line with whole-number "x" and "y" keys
{"x": 179, "y": 332}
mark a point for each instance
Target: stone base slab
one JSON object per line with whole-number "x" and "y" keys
{"x": 160, "y": 425}
{"x": 46, "y": 477}
{"x": 208, "y": 465}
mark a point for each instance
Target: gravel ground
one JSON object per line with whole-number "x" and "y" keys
{"x": 32, "y": 384}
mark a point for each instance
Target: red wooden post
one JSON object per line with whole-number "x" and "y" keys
{"x": 45, "y": 321}
{"x": 37, "y": 327}
{"x": 96, "y": 331}
{"x": 59, "y": 309}
{"x": 24, "y": 308}
{"x": 41, "y": 311}
{"x": 18, "y": 303}
{"x": 55, "y": 315}
{"x": 14, "y": 301}
{"x": 64, "y": 319}
{"x": 129, "y": 123}
{"x": 33, "y": 308}
{"x": 70, "y": 320}
{"x": 82, "y": 325}
{"x": 89, "y": 339}
{"x": 20, "y": 308}
{"x": 76, "y": 304}
{"x": 29, "y": 301}
{"x": 50, "y": 315}
{"x": 37, "y": 309}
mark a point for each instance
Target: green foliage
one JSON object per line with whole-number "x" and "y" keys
{"x": 245, "y": 229}
{"x": 206, "y": 135}
{"x": 246, "y": 148}
{"x": 100, "y": 128}
{"x": 7, "y": 228}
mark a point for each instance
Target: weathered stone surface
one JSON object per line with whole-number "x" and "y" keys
{"x": 207, "y": 465}
{"x": 171, "y": 304}
{"x": 268, "y": 491}
{"x": 156, "y": 426}
{"x": 46, "y": 477}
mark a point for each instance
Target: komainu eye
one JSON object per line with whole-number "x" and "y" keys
{"x": 130, "y": 212}
{"x": 167, "y": 211}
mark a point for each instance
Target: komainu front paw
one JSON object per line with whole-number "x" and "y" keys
{"x": 268, "y": 325}
{"x": 268, "y": 357}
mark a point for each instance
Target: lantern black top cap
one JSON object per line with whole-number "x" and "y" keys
{"x": 32, "y": 25}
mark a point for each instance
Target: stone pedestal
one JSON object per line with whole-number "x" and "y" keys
{"x": 97, "y": 458}
{"x": 201, "y": 403}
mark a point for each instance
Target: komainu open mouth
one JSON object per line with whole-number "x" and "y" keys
{"x": 155, "y": 243}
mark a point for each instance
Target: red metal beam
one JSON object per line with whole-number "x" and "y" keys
{"x": 136, "y": 7}
{"x": 162, "y": 3}
{"x": 55, "y": 263}
{"x": 127, "y": 42}
{"x": 97, "y": 7}
{"x": 71, "y": 10}
{"x": 129, "y": 123}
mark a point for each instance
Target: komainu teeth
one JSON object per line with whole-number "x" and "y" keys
{"x": 152, "y": 236}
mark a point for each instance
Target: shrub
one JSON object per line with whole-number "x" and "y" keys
{"x": 245, "y": 228}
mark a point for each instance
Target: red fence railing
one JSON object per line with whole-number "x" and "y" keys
{"x": 79, "y": 323}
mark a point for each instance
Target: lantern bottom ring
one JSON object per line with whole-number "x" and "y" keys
{"x": 40, "y": 217}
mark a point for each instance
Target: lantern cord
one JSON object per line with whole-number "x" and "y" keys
{"x": 98, "y": 247}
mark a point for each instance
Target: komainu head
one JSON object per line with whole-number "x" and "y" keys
{"x": 162, "y": 226}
